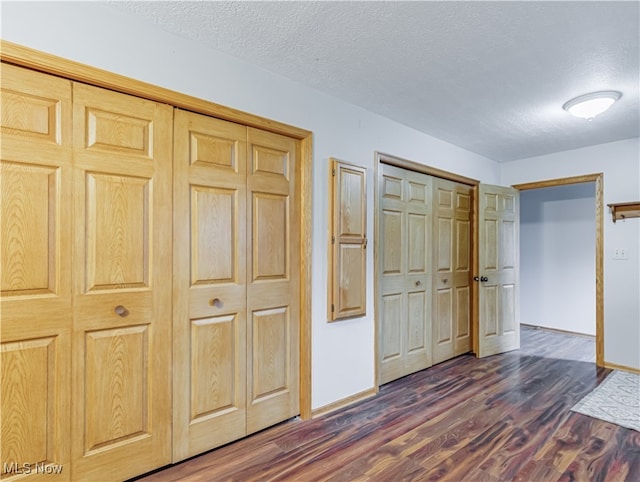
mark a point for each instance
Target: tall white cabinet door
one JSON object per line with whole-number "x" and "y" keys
{"x": 210, "y": 260}
{"x": 273, "y": 284}
{"x": 35, "y": 302}
{"x": 499, "y": 324}
{"x": 122, "y": 285}
{"x": 404, "y": 303}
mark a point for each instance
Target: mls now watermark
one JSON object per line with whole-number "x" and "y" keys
{"x": 14, "y": 468}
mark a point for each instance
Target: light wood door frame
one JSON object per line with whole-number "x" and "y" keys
{"x": 382, "y": 158}
{"x": 15, "y": 54}
{"x": 598, "y": 178}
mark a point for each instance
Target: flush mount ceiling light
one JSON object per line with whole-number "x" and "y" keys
{"x": 590, "y": 105}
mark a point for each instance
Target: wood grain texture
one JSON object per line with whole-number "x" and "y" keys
{"x": 122, "y": 284}
{"x": 404, "y": 255}
{"x": 273, "y": 279}
{"x": 417, "y": 167}
{"x": 348, "y": 255}
{"x": 210, "y": 263}
{"x": 502, "y": 418}
{"x": 499, "y": 229}
{"x": 35, "y": 267}
{"x": 451, "y": 269}
{"x": 34, "y": 59}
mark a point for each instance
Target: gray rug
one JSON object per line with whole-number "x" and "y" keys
{"x": 615, "y": 400}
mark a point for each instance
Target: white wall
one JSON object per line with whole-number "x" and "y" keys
{"x": 620, "y": 163}
{"x": 557, "y": 258}
{"x": 88, "y": 32}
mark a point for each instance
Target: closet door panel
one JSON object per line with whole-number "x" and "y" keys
{"x": 210, "y": 283}
{"x": 462, "y": 269}
{"x": 393, "y": 262}
{"x": 417, "y": 326}
{"x": 35, "y": 301}
{"x": 122, "y": 322}
{"x": 273, "y": 288}
{"x": 452, "y": 254}
{"x": 405, "y": 267}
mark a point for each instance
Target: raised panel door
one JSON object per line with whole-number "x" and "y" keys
{"x": 35, "y": 299}
{"x": 404, "y": 326}
{"x": 499, "y": 325}
{"x": 122, "y": 285}
{"x": 452, "y": 254}
{"x": 210, "y": 261}
{"x": 273, "y": 285}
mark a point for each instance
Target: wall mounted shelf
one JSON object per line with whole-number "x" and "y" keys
{"x": 625, "y": 210}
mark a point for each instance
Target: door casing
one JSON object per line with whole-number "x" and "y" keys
{"x": 598, "y": 178}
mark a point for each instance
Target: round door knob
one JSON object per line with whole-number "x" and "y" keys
{"x": 121, "y": 311}
{"x": 217, "y": 302}
{"x": 445, "y": 281}
{"x": 418, "y": 283}
{"x": 484, "y": 278}
{"x": 476, "y": 278}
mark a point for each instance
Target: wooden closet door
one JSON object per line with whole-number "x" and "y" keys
{"x": 210, "y": 283}
{"x": 273, "y": 281}
{"x": 404, "y": 330}
{"x": 499, "y": 263}
{"x": 451, "y": 269}
{"x": 121, "y": 424}
{"x": 35, "y": 185}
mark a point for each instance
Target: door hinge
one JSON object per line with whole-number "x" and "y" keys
{"x": 333, "y": 172}
{"x": 333, "y": 240}
{"x": 333, "y": 308}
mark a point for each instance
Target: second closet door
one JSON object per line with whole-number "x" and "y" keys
{"x": 404, "y": 327}
{"x": 235, "y": 288}
{"x": 451, "y": 269}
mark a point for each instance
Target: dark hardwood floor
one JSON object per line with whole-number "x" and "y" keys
{"x": 501, "y": 418}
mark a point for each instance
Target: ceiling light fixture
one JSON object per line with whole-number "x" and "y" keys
{"x": 588, "y": 106}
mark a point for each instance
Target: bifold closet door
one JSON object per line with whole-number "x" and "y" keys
{"x": 404, "y": 306}
{"x": 35, "y": 184}
{"x": 210, "y": 352}
{"x": 236, "y": 287}
{"x": 121, "y": 415}
{"x": 451, "y": 269}
{"x": 273, "y": 279}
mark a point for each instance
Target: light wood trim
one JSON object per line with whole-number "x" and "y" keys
{"x": 614, "y": 366}
{"x": 33, "y": 59}
{"x": 556, "y": 330}
{"x": 345, "y": 402}
{"x": 600, "y": 270}
{"x": 557, "y": 182}
{"x": 377, "y": 172}
{"x": 417, "y": 167}
{"x": 51, "y": 64}
{"x": 306, "y": 228}
{"x": 599, "y": 209}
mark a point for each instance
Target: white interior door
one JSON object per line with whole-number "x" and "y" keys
{"x": 499, "y": 324}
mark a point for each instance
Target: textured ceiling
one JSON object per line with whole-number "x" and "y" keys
{"x": 490, "y": 77}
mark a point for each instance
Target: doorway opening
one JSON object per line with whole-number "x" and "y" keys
{"x": 562, "y": 241}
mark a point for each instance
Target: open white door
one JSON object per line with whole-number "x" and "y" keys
{"x": 499, "y": 218}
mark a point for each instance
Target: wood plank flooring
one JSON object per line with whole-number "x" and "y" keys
{"x": 502, "y": 418}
